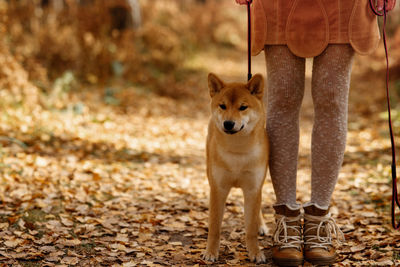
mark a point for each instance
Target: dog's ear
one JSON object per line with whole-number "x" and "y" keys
{"x": 214, "y": 84}
{"x": 256, "y": 86}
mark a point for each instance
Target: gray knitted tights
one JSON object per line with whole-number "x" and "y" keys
{"x": 330, "y": 87}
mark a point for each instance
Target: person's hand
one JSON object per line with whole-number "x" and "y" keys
{"x": 242, "y": 2}
{"x": 389, "y": 5}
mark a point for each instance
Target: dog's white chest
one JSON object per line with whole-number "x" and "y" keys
{"x": 237, "y": 161}
{"x": 240, "y": 165}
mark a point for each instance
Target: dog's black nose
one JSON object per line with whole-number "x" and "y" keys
{"x": 228, "y": 125}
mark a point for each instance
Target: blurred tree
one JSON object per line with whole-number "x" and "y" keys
{"x": 137, "y": 19}
{"x": 124, "y": 13}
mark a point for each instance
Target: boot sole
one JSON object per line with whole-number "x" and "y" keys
{"x": 322, "y": 261}
{"x": 288, "y": 262}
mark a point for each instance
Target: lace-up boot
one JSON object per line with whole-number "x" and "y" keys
{"x": 287, "y": 250}
{"x": 319, "y": 226}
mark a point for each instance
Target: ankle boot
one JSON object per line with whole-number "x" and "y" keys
{"x": 287, "y": 249}
{"x": 318, "y": 229}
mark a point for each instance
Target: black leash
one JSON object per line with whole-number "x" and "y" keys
{"x": 395, "y": 198}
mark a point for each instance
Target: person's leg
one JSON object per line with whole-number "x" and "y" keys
{"x": 285, "y": 90}
{"x": 330, "y": 90}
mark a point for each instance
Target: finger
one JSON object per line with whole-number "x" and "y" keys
{"x": 379, "y": 5}
{"x": 241, "y": 2}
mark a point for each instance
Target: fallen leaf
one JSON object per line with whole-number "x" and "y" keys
{"x": 13, "y": 243}
{"x": 70, "y": 260}
{"x": 357, "y": 248}
{"x": 67, "y": 222}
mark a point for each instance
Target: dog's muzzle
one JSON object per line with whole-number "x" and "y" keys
{"x": 228, "y": 127}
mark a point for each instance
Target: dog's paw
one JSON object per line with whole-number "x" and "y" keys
{"x": 263, "y": 230}
{"x": 258, "y": 257}
{"x": 210, "y": 256}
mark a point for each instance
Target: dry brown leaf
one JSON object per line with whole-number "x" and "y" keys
{"x": 13, "y": 242}
{"x": 48, "y": 249}
{"x": 358, "y": 248}
{"x": 66, "y": 222}
{"x": 122, "y": 238}
{"x": 70, "y": 260}
{"x": 70, "y": 242}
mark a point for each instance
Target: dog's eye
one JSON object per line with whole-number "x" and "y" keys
{"x": 242, "y": 107}
{"x": 222, "y": 106}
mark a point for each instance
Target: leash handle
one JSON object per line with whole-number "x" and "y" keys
{"x": 395, "y": 198}
{"x": 249, "y": 75}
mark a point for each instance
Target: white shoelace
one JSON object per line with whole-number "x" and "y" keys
{"x": 321, "y": 223}
{"x": 281, "y": 237}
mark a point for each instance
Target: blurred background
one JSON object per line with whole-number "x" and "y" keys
{"x": 80, "y": 44}
{"x": 162, "y": 46}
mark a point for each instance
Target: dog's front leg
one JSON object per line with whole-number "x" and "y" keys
{"x": 252, "y": 205}
{"x": 217, "y": 206}
{"x": 262, "y": 228}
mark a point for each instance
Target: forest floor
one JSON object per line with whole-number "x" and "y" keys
{"x": 119, "y": 179}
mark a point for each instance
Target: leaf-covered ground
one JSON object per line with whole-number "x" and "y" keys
{"x": 118, "y": 179}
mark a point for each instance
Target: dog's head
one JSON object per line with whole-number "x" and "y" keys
{"x": 236, "y": 107}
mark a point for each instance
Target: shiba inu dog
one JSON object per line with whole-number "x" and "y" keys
{"x": 237, "y": 156}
